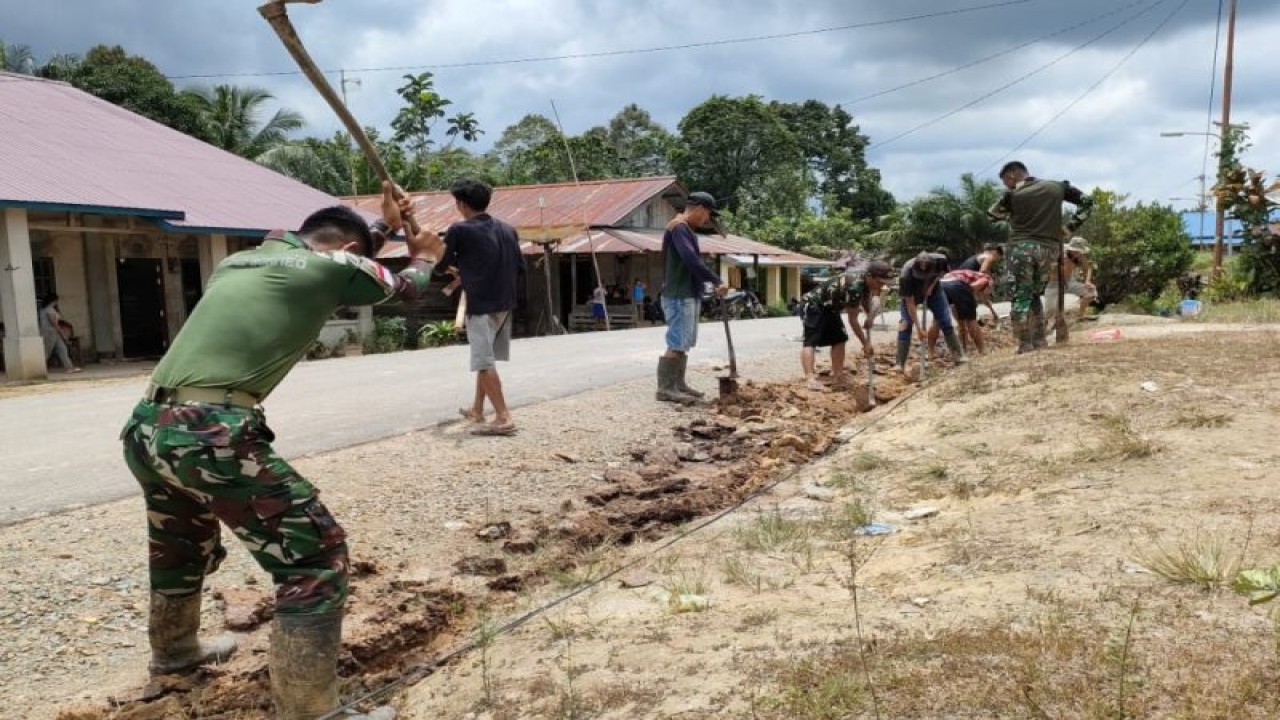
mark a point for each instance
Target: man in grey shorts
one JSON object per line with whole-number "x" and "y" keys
{"x": 486, "y": 252}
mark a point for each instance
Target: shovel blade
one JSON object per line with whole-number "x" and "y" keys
{"x": 728, "y": 387}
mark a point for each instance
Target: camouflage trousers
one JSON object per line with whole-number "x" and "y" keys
{"x": 1031, "y": 265}
{"x": 200, "y": 464}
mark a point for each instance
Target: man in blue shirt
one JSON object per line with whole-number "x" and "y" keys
{"x": 686, "y": 275}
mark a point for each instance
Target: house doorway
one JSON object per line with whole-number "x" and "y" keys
{"x": 142, "y": 319}
{"x": 577, "y": 281}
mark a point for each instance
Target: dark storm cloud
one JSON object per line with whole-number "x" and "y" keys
{"x": 1110, "y": 137}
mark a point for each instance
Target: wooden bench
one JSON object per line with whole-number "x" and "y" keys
{"x": 621, "y": 317}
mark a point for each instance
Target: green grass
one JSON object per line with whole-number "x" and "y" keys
{"x": 771, "y": 532}
{"x": 1255, "y": 311}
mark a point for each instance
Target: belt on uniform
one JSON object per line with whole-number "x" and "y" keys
{"x": 207, "y": 396}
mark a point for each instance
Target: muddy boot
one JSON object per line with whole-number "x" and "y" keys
{"x": 900, "y": 359}
{"x": 958, "y": 355}
{"x": 304, "y": 664}
{"x": 1038, "y": 335}
{"x": 668, "y": 369}
{"x": 1021, "y": 333}
{"x": 174, "y": 629}
{"x": 682, "y": 365}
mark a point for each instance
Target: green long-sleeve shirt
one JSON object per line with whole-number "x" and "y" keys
{"x": 264, "y": 307}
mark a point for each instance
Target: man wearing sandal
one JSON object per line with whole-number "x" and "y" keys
{"x": 486, "y": 252}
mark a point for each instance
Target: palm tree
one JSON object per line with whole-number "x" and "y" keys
{"x": 17, "y": 58}
{"x": 955, "y": 219}
{"x": 230, "y": 116}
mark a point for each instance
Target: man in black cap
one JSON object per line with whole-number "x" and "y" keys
{"x": 686, "y": 276}
{"x": 1033, "y": 208}
{"x": 918, "y": 284}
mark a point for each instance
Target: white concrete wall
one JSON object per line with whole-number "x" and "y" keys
{"x": 24, "y": 357}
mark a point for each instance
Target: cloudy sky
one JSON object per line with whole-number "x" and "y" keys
{"x": 1114, "y": 73}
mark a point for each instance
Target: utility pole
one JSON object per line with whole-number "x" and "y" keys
{"x": 1219, "y": 227}
{"x": 351, "y": 163}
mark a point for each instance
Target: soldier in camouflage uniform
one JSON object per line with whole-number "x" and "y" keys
{"x": 1033, "y": 209}
{"x": 851, "y": 291}
{"x": 199, "y": 446}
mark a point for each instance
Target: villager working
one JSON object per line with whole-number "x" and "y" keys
{"x": 919, "y": 284}
{"x": 1075, "y": 261}
{"x": 199, "y": 446}
{"x": 686, "y": 276}
{"x": 852, "y": 291}
{"x": 962, "y": 289}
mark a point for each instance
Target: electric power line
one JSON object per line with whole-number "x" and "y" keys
{"x": 631, "y": 51}
{"x": 1141, "y": 43}
{"x": 1213, "y": 87}
{"x": 1017, "y": 80}
{"x": 1002, "y": 53}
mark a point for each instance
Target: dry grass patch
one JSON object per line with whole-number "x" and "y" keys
{"x": 1065, "y": 665}
{"x": 1197, "y": 419}
{"x": 772, "y": 532}
{"x": 1119, "y": 442}
{"x": 1201, "y": 559}
{"x": 868, "y": 462}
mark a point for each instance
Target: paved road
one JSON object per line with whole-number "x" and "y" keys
{"x": 59, "y": 450}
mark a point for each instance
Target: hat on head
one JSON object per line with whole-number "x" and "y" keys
{"x": 1078, "y": 245}
{"x": 705, "y": 200}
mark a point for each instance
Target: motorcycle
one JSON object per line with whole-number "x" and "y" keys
{"x": 738, "y": 304}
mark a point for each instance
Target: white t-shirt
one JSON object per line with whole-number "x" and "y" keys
{"x": 598, "y": 296}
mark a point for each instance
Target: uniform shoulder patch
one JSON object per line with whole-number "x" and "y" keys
{"x": 375, "y": 270}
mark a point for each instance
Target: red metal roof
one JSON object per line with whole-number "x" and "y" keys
{"x": 565, "y": 207}
{"x": 62, "y": 147}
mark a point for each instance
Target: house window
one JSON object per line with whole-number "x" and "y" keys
{"x": 46, "y": 283}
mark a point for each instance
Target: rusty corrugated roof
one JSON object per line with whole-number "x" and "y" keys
{"x": 565, "y": 208}
{"x": 61, "y": 148}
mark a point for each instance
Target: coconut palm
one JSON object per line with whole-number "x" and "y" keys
{"x": 951, "y": 218}
{"x": 230, "y": 115}
{"x": 17, "y": 58}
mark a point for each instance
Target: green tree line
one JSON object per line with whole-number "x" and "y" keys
{"x": 789, "y": 174}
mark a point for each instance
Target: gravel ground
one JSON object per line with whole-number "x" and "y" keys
{"x": 73, "y": 610}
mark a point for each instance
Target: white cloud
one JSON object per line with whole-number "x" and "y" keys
{"x": 1110, "y": 138}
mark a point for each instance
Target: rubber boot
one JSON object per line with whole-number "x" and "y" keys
{"x": 900, "y": 359}
{"x": 1021, "y": 333}
{"x": 682, "y": 366}
{"x": 174, "y": 634}
{"x": 958, "y": 355}
{"x": 304, "y": 664}
{"x": 668, "y": 369}
{"x": 1038, "y": 334}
